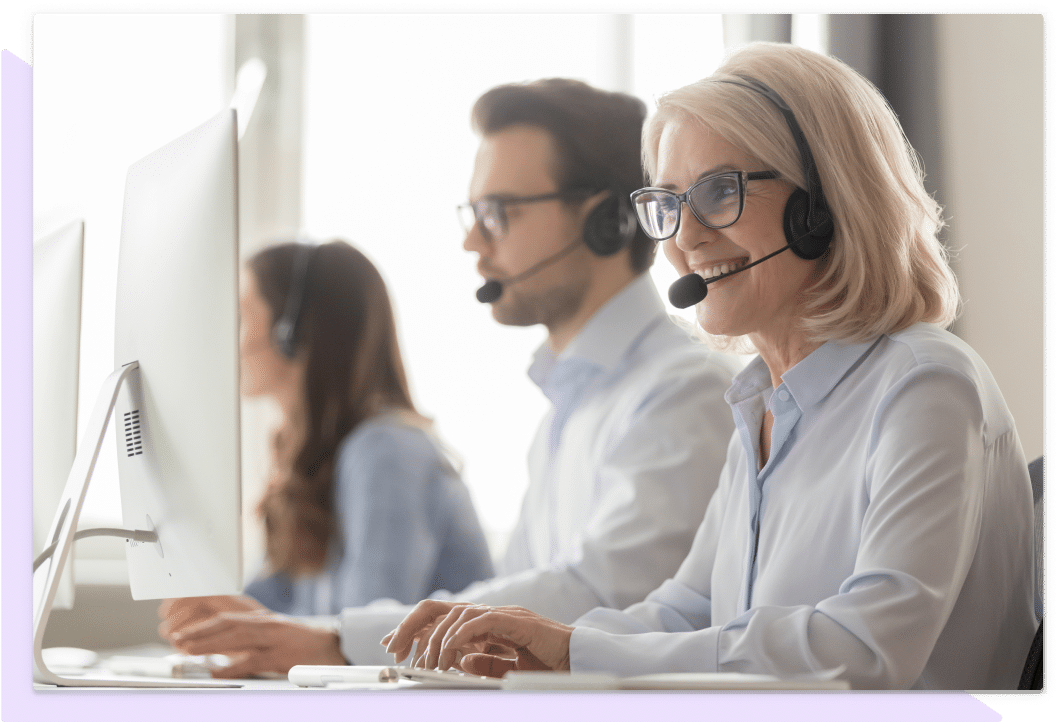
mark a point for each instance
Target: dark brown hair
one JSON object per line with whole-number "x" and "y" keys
{"x": 596, "y": 134}
{"x": 353, "y": 370}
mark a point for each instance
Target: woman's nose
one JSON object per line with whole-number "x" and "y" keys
{"x": 690, "y": 233}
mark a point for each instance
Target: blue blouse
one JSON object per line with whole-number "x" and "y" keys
{"x": 889, "y": 533}
{"x": 406, "y": 527}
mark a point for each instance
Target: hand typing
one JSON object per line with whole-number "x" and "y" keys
{"x": 257, "y": 640}
{"x": 179, "y": 614}
{"x": 481, "y": 640}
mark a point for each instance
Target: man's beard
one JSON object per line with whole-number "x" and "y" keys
{"x": 548, "y": 307}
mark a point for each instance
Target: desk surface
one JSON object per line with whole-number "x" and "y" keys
{"x": 98, "y": 676}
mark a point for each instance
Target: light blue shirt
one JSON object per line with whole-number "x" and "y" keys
{"x": 622, "y": 465}
{"x": 406, "y": 527}
{"x": 621, "y": 470}
{"x": 890, "y": 532}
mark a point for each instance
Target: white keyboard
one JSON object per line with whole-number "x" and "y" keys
{"x": 314, "y": 675}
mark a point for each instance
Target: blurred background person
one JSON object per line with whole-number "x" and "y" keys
{"x": 362, "y": 502}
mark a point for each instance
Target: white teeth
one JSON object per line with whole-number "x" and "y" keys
{"x": 722, "y": 268}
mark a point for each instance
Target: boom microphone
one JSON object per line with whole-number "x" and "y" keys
{"x": 691, "y": 288}
{"x": 687, "y": 290}
{"x": 491, "y": 290}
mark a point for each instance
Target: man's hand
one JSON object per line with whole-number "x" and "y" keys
{"x": 481, "y": 640}
{"x": 259, "y": 642}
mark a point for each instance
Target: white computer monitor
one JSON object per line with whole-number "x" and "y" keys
{"x": 177, "y": 418}
{"x": 174, "y": 393}
{"x": 58, "y": 262}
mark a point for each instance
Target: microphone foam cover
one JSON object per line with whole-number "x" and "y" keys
{"x": 489, "y": 292}
{"x": 687, "y": 290}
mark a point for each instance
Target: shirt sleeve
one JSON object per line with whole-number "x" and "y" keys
{"x": 655, "y": 479}
{"x": 362, "y": 628}
{"x": 925, "y": 476}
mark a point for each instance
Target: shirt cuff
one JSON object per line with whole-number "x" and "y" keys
{"x": 361, "y": 628}
{"x": 627, "y": 655}
{"x": 326, "y": 621}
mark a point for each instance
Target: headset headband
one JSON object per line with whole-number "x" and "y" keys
{"x": 286, "y": 328}
{"x": 817, "y": 201}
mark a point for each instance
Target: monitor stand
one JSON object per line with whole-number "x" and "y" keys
{"x": 47, "y": 577}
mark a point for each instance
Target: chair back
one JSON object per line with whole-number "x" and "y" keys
{"x": 1033, "y": 670}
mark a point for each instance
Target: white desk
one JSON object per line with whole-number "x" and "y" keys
{"x": 368, "y": 679}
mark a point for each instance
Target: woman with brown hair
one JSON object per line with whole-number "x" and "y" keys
{"x": 361, "y": 501}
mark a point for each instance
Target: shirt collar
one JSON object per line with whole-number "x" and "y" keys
{"x": 809, "y": 380}
{"x": 605, "y": 339}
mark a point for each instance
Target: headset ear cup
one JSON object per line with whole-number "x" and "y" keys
{"x": 283, "y": 336}
{"x": 285, "y": 331}
{"x": 609, "y": 227}
{"x": 806, "y": 244}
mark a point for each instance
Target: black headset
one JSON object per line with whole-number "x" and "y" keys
{"x": 285, "y": 332}
{"x": 807, "y": 221}
{"x": 610, "y": 226}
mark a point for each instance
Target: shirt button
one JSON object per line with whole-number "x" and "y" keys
{"x": 784, "y": 396}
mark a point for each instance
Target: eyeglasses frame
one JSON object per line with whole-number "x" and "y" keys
{"x": 503, "y": 201}
{"x": 682, "y": 198}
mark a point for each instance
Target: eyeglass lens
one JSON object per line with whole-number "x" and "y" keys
{"x": 715, "y": 201}
{"x": 486, "y": 211}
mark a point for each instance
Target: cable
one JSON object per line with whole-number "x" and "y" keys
{"x": 128, "y": 534}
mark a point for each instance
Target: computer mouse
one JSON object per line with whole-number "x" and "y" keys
{"x": 69, "y": 657}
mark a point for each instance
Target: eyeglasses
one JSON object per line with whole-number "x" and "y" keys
{"x": 716, "y": 202}
{"x": 491, "y": 214}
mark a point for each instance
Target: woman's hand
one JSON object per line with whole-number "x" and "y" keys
{"x": 481, "y": 640}
{"x": 179, "y": 614}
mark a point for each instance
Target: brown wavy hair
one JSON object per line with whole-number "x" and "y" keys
{"x": 347, "y": 337}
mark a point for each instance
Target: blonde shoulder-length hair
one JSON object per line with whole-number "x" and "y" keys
{"x": 886, "y": 268}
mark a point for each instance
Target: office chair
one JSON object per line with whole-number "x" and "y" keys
{"x": 1033, "y": 671}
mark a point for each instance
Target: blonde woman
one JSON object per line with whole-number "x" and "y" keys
{"x": 874, "y": 514}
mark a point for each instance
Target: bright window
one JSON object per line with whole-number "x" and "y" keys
{"x": 108, "y": 90}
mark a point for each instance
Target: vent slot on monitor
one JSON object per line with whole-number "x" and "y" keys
{"x": 133, "y": 440}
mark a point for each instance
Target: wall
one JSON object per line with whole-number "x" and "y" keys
{"x": 991, "y": 111}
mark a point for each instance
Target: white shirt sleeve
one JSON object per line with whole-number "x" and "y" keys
{"x": 652, "y": 485}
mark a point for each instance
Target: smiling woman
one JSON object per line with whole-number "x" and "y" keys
{"x": 867, "y": 436}
{"x": 885, "y": 267}
{"x": 761, "y": 299}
